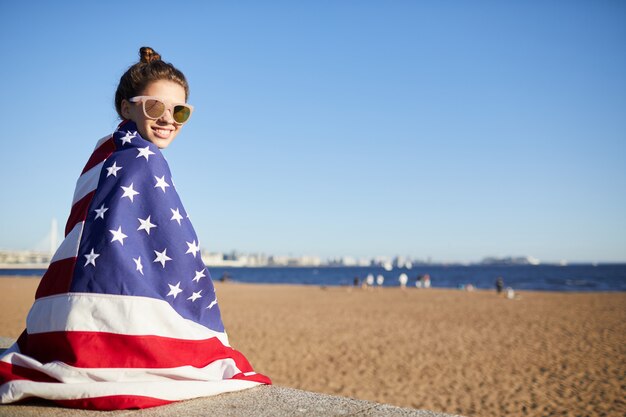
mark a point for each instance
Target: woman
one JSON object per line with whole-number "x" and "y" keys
{"x": 126, "y": 315}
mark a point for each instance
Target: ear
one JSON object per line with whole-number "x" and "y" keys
{"x": 125, "y": 109}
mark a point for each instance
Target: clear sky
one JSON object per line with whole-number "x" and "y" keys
{"x": 441, "y": 129}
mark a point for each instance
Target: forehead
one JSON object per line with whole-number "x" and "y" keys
{"x": 166, "y": 90}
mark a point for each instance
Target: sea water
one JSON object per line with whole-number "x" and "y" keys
{"x": 603, "y": 277}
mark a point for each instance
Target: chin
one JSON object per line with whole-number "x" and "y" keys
{"x": 160, "y": 142}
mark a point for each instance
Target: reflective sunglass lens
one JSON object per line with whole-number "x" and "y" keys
{"x": 181, "y": 114}
{"x": 154, "y": 108}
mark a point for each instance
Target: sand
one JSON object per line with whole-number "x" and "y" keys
{"x": 475, "y": 354}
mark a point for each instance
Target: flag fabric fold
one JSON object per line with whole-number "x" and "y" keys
{"x": 126, "y": 316}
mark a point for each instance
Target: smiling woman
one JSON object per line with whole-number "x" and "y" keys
{"x": 157, "y": 121}
{"x": 127, "y": 297}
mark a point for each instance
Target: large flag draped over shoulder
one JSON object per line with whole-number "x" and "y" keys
{"x": 126, "y": 315}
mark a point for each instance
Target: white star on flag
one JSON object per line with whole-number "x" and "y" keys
{"x": 145, "y": 152}
{"x": 146, "y": 225}
{"x": 199, "y": 274}
{"x": 212, "y": 304}
{"x": 161, "y": 183}
{"x": 176, "y": 215}
{"x": 100, "y": 212}
{"x": 118, "y": 235}
{"x": 162, "y": 257}
{"x": 91, "y": 258}
{"x": 174, "y": 290}
{"x": 195, "y": 296}
{"x": 129, "y": 192}
{"x": 193, "y": 248}
{"x": 112, "y": 170}
{"x": 128, "y": 137}
{"x": 138, "y": 264}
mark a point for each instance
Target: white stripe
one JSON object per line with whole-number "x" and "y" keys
{"x": 120, "y": 314}
{"x": 101, "y": 141}
{"x": 166, "y": 390}
{"x": 215, "y": 371}
{"x": 69, "y": 246}
{"x": 87, "y": 182}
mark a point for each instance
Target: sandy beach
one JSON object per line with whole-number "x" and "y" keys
{"x": 475, "y": 354}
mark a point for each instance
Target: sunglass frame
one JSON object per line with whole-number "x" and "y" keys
{"x": 166, "y": 106}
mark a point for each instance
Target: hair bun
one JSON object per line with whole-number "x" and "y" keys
{"x": 147, "y": 55}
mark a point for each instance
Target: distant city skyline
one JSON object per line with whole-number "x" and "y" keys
{"x": 28, "y": 259}
{"x": 452, "y": 131}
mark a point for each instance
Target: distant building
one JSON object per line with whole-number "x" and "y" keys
{"x": 510, "y": 260}
{"x": 24, "y": 259}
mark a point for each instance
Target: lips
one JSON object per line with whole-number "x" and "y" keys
{"x": 162, "y": 133}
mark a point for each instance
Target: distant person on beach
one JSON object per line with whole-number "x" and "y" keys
{"x": 403, "y": 278}
{"x": 380, "y": 279}
{"x": 423, "y": 281}
{"x": 370, "y": 280}
{"x": 499, "y": 285}
{"x": 126, "y": 315}
{"x": 355, "y": 282}
{"x": 510, "y": 293}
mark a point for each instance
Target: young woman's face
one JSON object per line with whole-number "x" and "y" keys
{"x": 161, "y": 131}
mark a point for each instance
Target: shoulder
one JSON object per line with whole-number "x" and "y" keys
{"x": 135, "y": 152}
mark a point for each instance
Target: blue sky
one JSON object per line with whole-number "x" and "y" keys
{"x": 449, "y": 130}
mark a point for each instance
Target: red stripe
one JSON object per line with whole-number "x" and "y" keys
{"x": 80, "y": 208}
{"x": 256, "y": 378}
{"x": 111, "y": 402}
{"x": 114, "y": 402}
{"x": 57, "y": 278}
{"x": 10, "y": 372}
{"x": 79, "y": 212}
{"x": 21, "y": 341}
{"x": 109, "y": 350}
{"x": 103, "y": 152}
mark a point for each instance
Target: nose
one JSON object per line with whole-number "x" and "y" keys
{"x": 167, "y": 116}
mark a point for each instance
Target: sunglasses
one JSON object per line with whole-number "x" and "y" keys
{"x": 154, "y": 108}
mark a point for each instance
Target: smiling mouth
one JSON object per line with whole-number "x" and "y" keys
{"x": 162, "y": 133}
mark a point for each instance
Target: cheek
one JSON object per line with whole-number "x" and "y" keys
{"x": 143, "y": 128}
{"x": 141, "y": 121}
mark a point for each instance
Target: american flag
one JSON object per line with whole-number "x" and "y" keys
{"x": 126, "y": 315}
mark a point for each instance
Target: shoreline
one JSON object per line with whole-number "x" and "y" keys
{"x": 377, "y": 288}
{"x": 18, "y": 266}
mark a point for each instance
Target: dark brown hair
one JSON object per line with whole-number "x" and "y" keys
{"x": 149, "y": 68}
